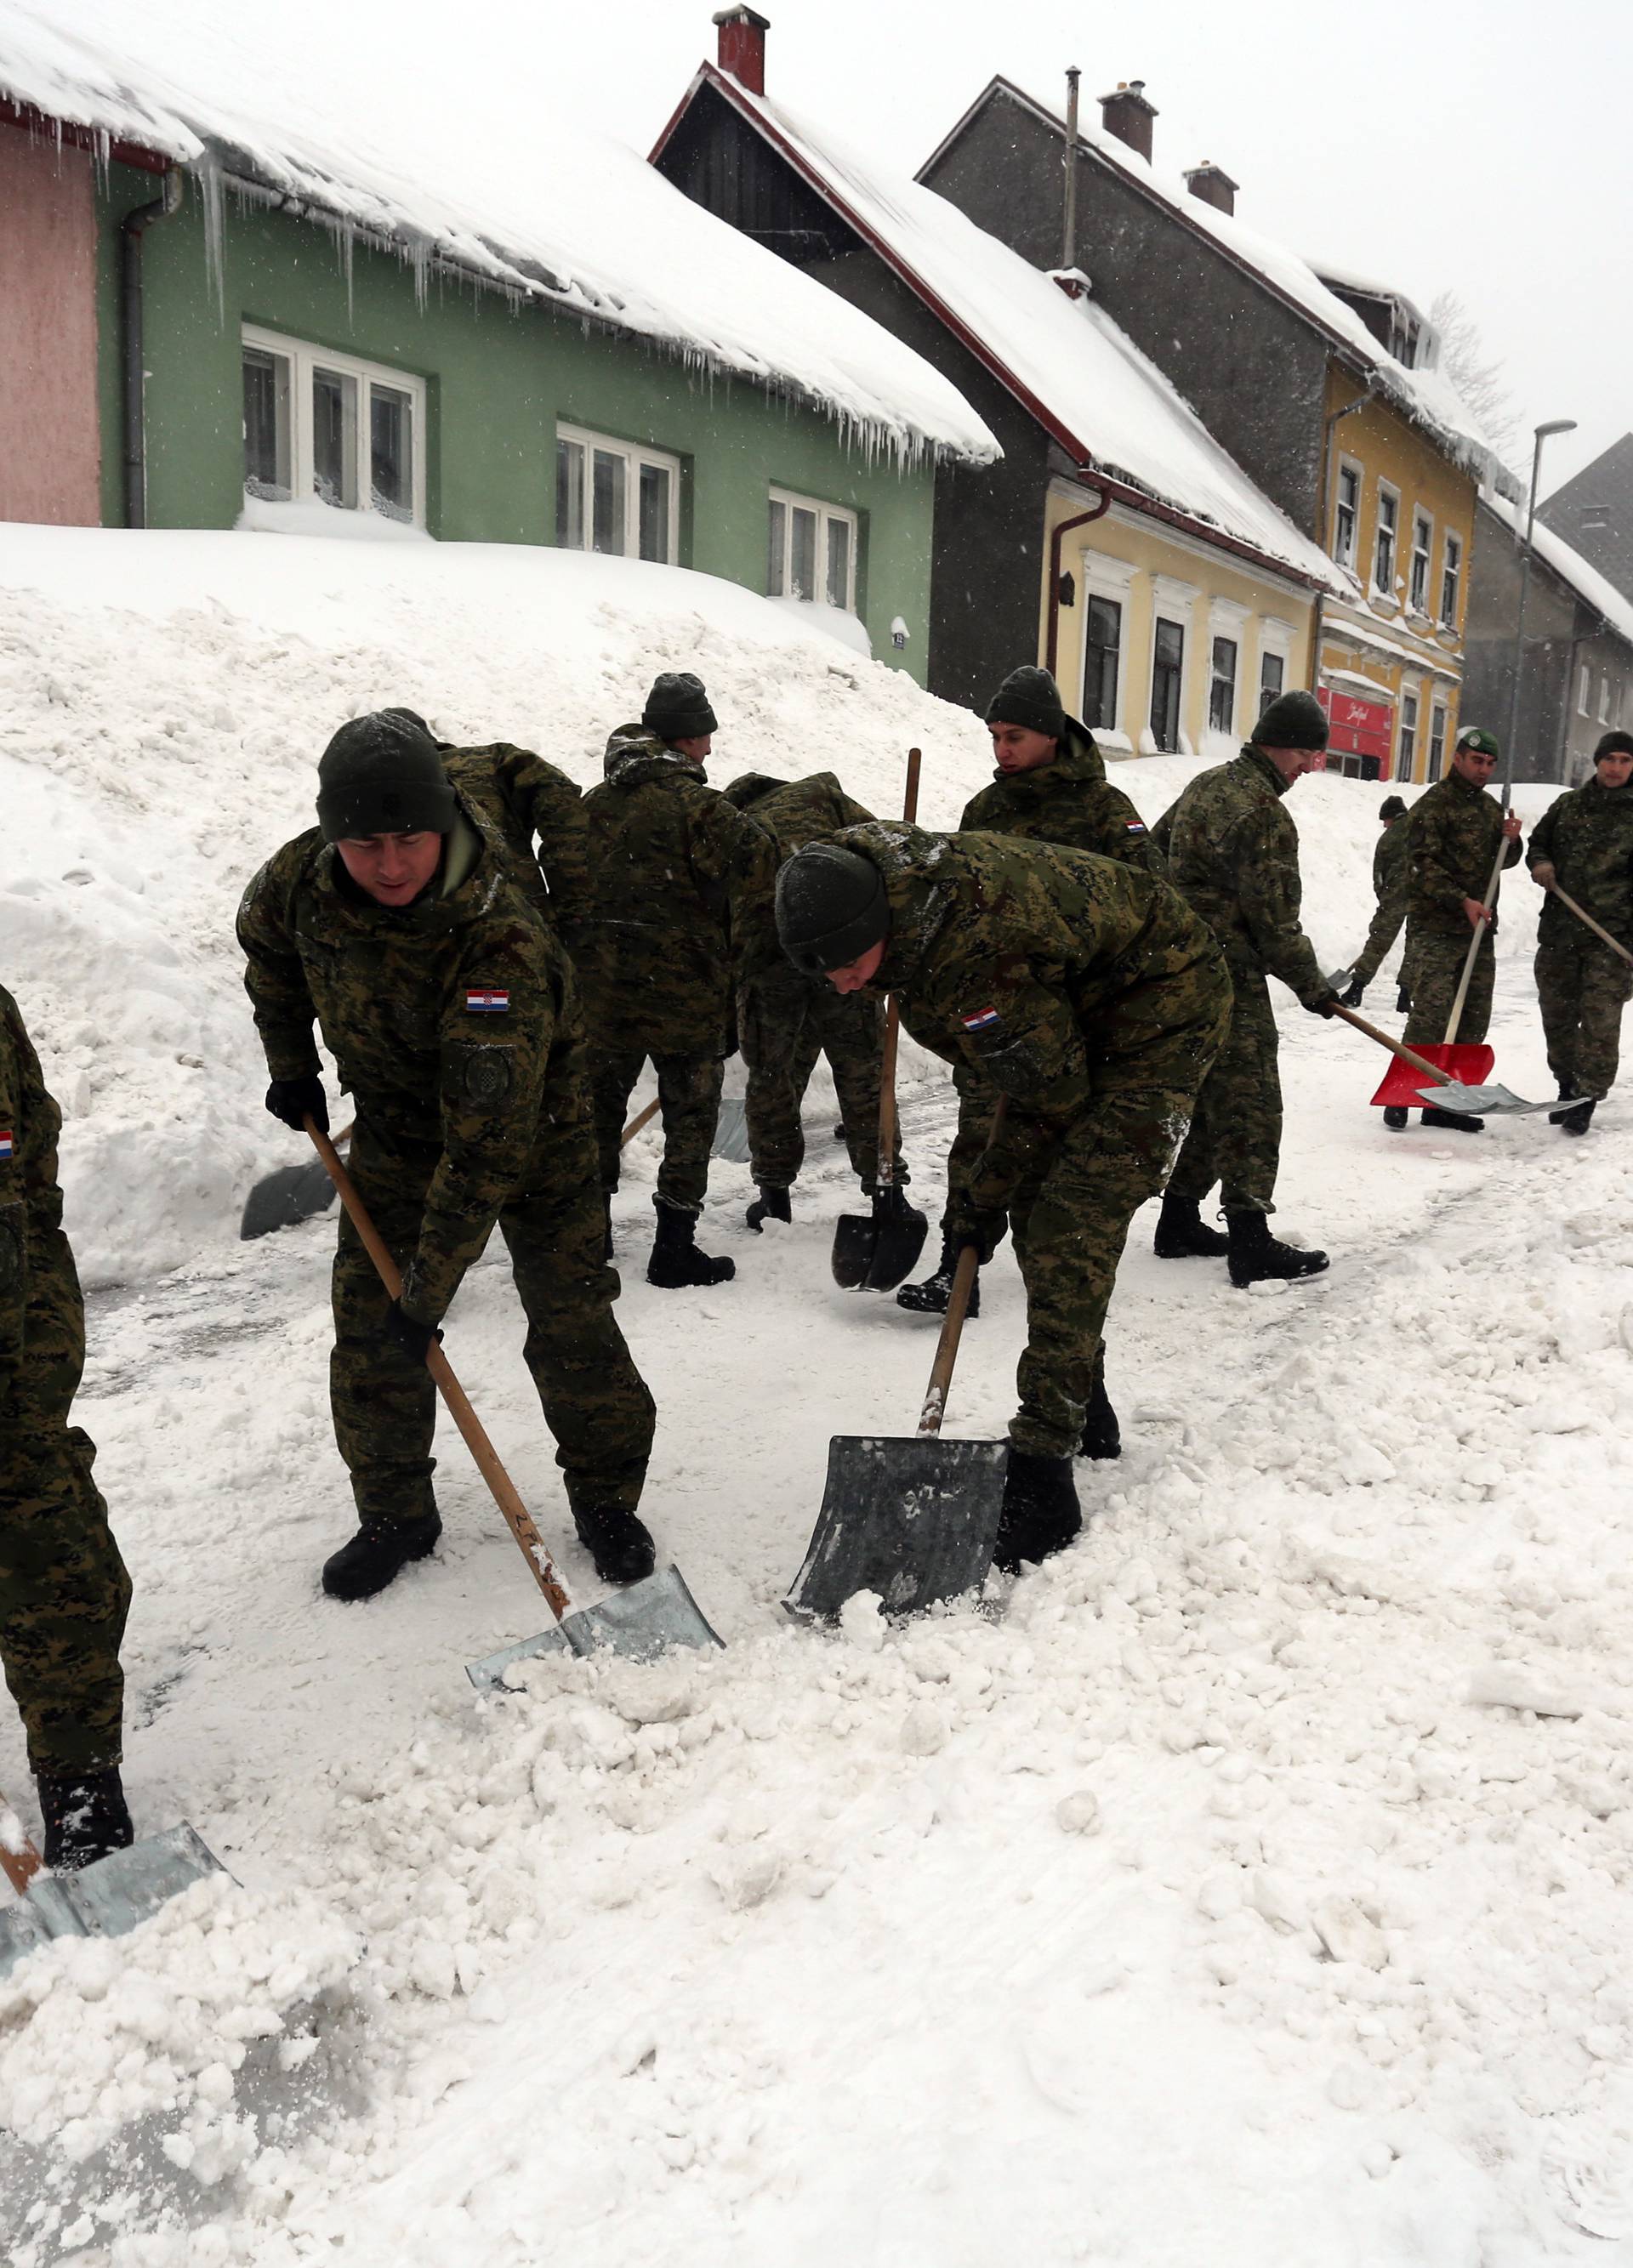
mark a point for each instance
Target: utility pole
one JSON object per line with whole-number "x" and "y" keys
{"x": 1542, "y": 433}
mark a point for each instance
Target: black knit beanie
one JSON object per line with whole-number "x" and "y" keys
{"x": 1293, "y": 720}
{"x": 1393, "y": 806}
{"x": 381, "y": 775}
{"x": 1028, "y": 696}
{"x": 677, "y": 708}
{"x": 1614, "y": 743}
{"x": 830, "y": 908}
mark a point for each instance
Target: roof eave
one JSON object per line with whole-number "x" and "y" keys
{"x": 81, "y": 134}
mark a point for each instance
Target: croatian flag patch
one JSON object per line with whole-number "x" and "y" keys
{"x": 7, "y": 1144}
{"x": 983, "y": 1020}
{"x": 1133, "y": 825}
{"x": 487, "y": 1004}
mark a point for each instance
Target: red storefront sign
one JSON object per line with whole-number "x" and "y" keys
{"x": 1357, "y": 728}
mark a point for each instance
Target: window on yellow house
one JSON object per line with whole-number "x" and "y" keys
{"x": 1423, "y": 543}
{"x": 1384, "y": 548}
{"x": 1450, "y": 577}
{"x": 1349, "y": 514}
{"x": 1406, "y": 747}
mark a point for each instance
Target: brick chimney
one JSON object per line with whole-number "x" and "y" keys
{"x": 1127, "y": 114}
{"x": 741, "y": 50}
{"x": 1213, "y": 185}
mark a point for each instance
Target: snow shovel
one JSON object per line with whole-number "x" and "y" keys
{"x": 1583, "y": 915}
{"x": 1411, "y": 1069}
{"x": 1465, "y": 1066}
{"x": 914, "y": 1521}
{"x": 103, "y": 1900}
{"x": 648, "y": 1619}
{"x": 287, "y": 1197}
{"x": 876, "y": 1251}
{"x": 731, "y": 1131}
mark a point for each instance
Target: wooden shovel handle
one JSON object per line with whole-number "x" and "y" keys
{"x": 20, "y": 1867}
{"x": 884, "y": 1172}
{"x": 936, "y": 1394}
{"x": 1489, "y": 902}
{"x": 640, "y": 1119}
{"x": 518, "y": 1518}
{"x": 1583, "y": 914}
{"x": 1407, "y": 1055}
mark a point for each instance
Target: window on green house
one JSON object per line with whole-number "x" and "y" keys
{"x": 616, "y": 497}
{"x": 810, "y": 551}
{"x": 348, "y": 434}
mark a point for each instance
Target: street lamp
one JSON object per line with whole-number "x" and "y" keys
{"x": 1542, "y": 432}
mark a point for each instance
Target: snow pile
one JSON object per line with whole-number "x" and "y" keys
{"x": 167, "y": 696}
{"x": 1105, "y": 400}
{"x": 512, "y": 186}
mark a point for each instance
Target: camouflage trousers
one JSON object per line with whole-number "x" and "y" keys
{"x": 785, "y": 1020}
{"x": 976, "y": 1102}
{"x": 689, "y": 1106}
{"x": 1437, "y": 958}
{"x": 1236, "y": 1130}
{"x": 1582, "y": 988}
{"x": 64, "y": 1590}
{"x": 595, "y": 1401}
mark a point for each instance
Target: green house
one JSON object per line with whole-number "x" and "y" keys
{"x": 225, "y": 323}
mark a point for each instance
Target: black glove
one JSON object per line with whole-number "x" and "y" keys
{"x": 984, "y": 1230}
{"x": 414, "y": 1339}
{"x": 296, "y": 1099}
{"x": 1354, "y": 995}
{"x": 1325, "y": 1006}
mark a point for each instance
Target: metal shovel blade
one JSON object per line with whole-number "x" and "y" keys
{"x": 874, "y": 1252}
{"x": 286, "y": 1199}
{"x": 651, "y": 1618}
{"x": 731, "y": 1131}
{"x": 915, "y": 1520}
{"x": 109, "y": 1898}
{"x": 1494, "y": 1102}
{"x": 1469, "y": 1060}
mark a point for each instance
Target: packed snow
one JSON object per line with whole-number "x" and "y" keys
{"x": 1247, "y": 1886}
{"x": 1105, "y": 401}
{"x": 515, "y": 187}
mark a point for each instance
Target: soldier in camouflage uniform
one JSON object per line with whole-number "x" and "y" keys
{"x": 1584, "y": 842}
{"x": 1455, "y": 831}
{"x": 63, "y": 1589}
{"x": 785, "y": 1019}
{"x": 1092, "y": 1000}
{"x": 453, "y": 1016}
{"x": 1233, "y": 856}
{"x": 1391, "y": 873}
{"x": 1050, "y": 786}
{"x": 675, "y": 876}
{"x": 534, "y": 812}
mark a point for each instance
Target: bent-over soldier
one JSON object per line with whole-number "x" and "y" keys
{"x": 64, "y": 1590}
{"x": 453, "y": 1017}
{"x": 1233, "y": 857}
{"x": 1092, "y": 1000}
{"x": 1391, "y": 874}
{"x": 1584, "y": 844}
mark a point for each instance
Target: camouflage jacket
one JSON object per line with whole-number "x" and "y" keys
{"x": 1053, "y": 975}
{"x": 1233, "y": 855}
{"x": 1392, "y": 873}
{"x": 1070, "y": 802}
{"x": 678, "y": 881}
{"x": 522, "y": 798}
{"x": 454, "y": 1021}
{"x": 1454, "y": 829}
{"x": 792, "y": 812}
{"x": 30, "y": 1203}
{"x": 1587, "y": 837}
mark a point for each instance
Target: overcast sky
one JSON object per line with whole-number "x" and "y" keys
{"x": 1482, "y": 145}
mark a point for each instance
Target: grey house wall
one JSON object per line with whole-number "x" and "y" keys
{"x": 1594, "y": 514}
{"x": 1555, "y": 741}
{"x": 1253, "y": 369}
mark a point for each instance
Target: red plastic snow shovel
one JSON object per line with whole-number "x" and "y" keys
{"x": 1426, "y": 1082}
{"x": 1467, "y": 1066}
{"x": 876, "y": 1251}
{"x": 649, "y": 1618}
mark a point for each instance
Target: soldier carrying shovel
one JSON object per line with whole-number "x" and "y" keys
{"x": 1583, "y": 844}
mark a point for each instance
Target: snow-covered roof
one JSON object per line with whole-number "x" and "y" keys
{"x": 1427, "y": 395}
{"x": 1568, "y": 564}
{"x": 538, "y": 205}
{"x": 1107, "y": 404}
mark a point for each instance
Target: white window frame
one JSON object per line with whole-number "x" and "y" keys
{"x": 1275, "y": 637}
{"x": 1435, "y": 748}
{"x": 1452, "y": 542}
{"x": 635, "y": 455}
{"x": 1346, "y": 554}
{"x": 1103, "y": 576}
{"x": 1173, "y": 602}
{"x": 304, "y": 358}
{"x": 1386, "y": 488}
{"x": 1412, "y": 690}
{"x": 826, "y": 514}
{"x": 1228, "y": 618}
{"x": 1425, "y": 520}
{"x": 1584, "y": 690}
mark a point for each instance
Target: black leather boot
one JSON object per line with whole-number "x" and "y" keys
{"x": 1183, "y": 1234}
{"x": 1101, "y": 1435}
{"x": 1454, "y": 1121}
{"x": 675, "y": 1260}
{"x": 1576, "y": 1121}
{"x": 377, "y": 1555}
{"x": 1257, "y": 1257}
{"x": 771, "y": 1205}
{"x": 1394, "y": 1117}
{"x": 930, "y": 1297}
{"x": 618, "y": 1542}
{"x": 1040, "y": 1513}
{"x": 85, "y": 1817}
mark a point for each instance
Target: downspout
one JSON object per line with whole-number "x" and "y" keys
{"x": 131, "y": 230}
{"x": 1051, "y": 643}
{"x": 1318, "y": 627}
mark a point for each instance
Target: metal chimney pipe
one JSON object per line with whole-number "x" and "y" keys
{"x": 1069, "y": 251}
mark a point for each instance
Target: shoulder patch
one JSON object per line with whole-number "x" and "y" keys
{"x": 7, "y": 1146}
{"x": 487, "y": 1002}
{"x": 1133, "y": 825}
{"x": 982, "y": 1020}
